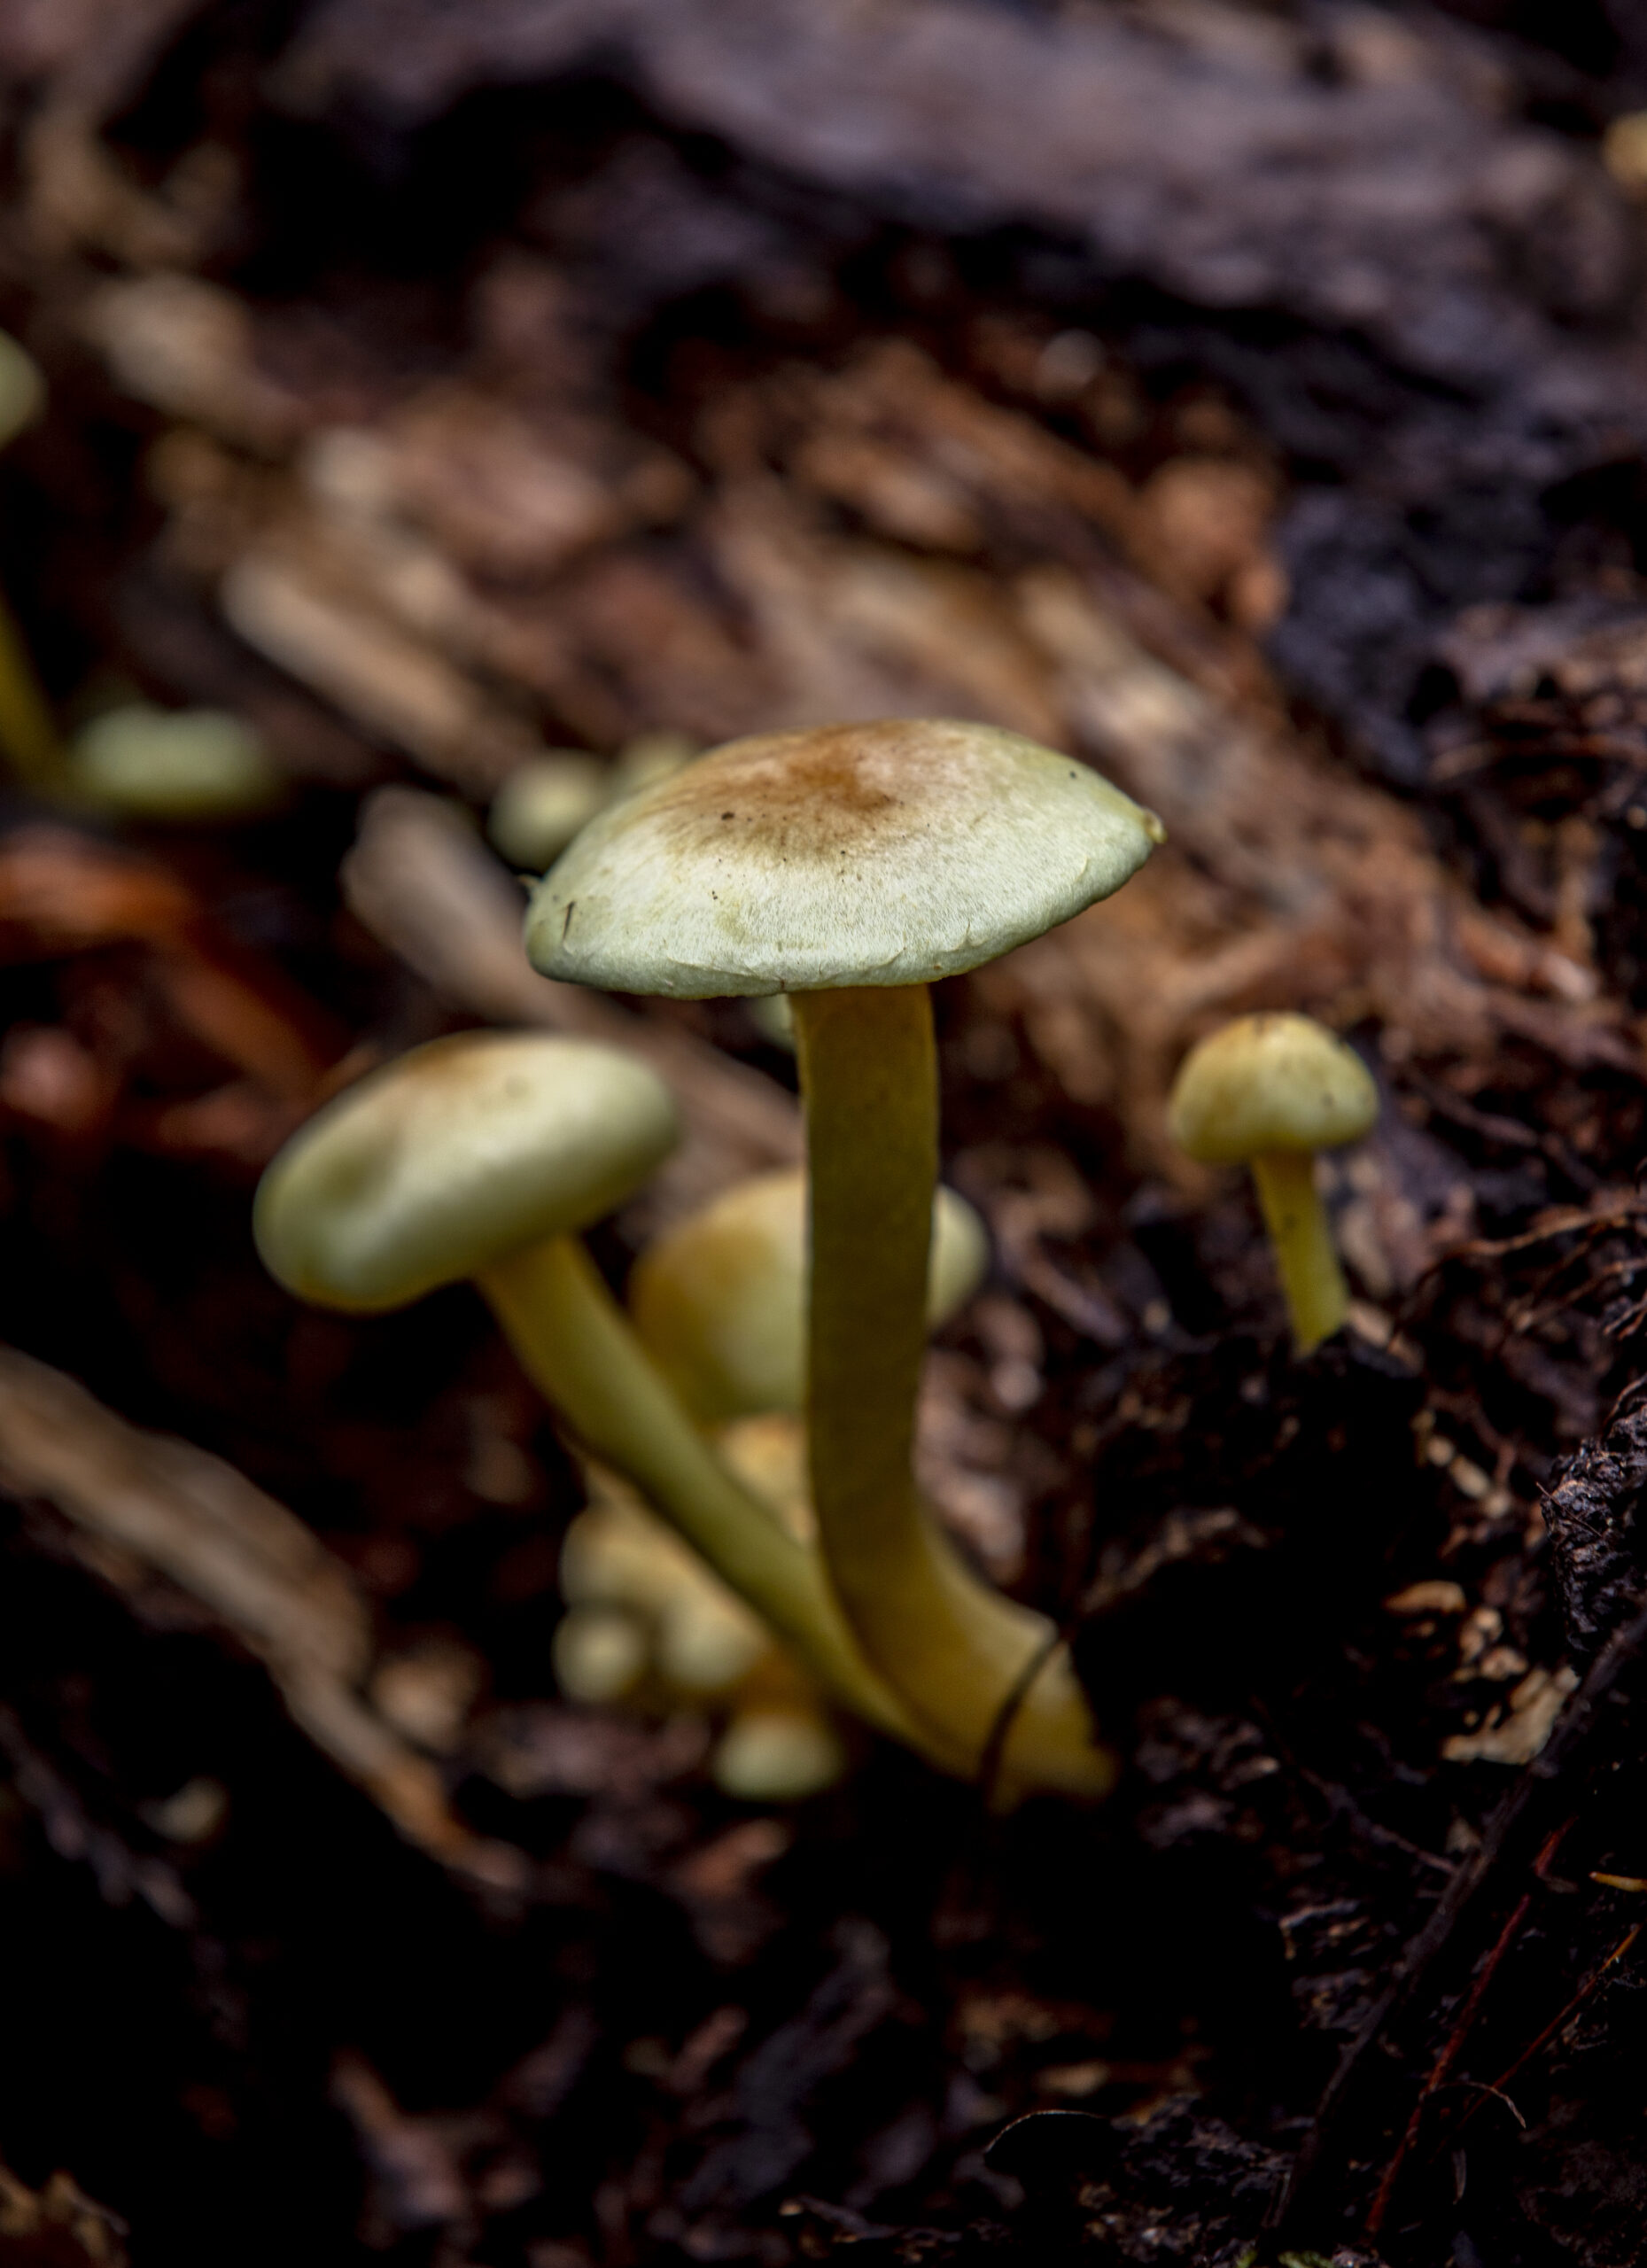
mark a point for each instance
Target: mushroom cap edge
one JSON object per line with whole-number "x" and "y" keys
{"x": 883, "y": 853}
{"x": 1270, "y": 1081}
{"x": 441, "y": 1161}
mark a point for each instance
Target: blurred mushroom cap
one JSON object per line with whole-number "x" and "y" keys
{"x": 179, "y": 763}
{"x": 543, "y": 804}
{"x": 888, "y": 853}
{"x": 721, "y": 1299}
{"x": 1274, "y": 1081}
{"x": 777, "y": 1756}
{"x": 451, "y": 1157}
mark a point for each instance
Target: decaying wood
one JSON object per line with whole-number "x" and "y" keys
{"x": 1206, "y": 148}
{"x": 142, "y": 1502}
{"x": 999, "y": 574}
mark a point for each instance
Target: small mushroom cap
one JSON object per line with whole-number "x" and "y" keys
{"x": 452, "y": 1157}
{"x": 177, "y": 763}
{"x": 1277, "y": 1081}
{"x": 856, "y": 854}
{"x": 721, "y": 1299}
{"x": 544, "y": 802}
{"x": 777, "y": 1756}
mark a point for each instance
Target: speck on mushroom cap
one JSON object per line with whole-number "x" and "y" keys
{"x": 452, "y": 1157}
{"x": 1277, "y": 1081}
{"x": 856, "y": 854}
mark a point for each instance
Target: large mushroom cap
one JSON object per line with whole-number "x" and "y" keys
{"x": 856, "y": 854}
{"x": 452, "y": 1157}
{"x": 1276, "y": 1082}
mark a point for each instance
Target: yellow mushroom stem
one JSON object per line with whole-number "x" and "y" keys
{"x": 29, "y": 735}
{"x": 976, "y": 1668}
{"x": 577, "y": 1345}
{"x": 1312, "y": 1281}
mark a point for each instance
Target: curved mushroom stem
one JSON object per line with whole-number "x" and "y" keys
{"x": 955, "y": 1650}
{"x": 578, "y": 1348}
{"x": 1317, "y": 1298}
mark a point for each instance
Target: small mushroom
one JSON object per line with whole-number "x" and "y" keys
{"x": 646, "y": 1617}
{"x": 720, "y": 1300}
{"x": 480, "y": 1156}
{"x": 172, "y": 764}
{"x": 773, "y": 1755}
{"x": 547, "y": 799}
{"x": 544, "y": 802}
{"x": 850, "y": 866}
{"x": 701, "y": 1636}
{"x": 1268, "y": 1091}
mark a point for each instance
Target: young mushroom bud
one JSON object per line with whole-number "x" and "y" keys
{"x": 1269, "y": 1092}
{"x": 480, "y": 1156}
{"x": 771, "y": 1754}
{"x": 172, "y": 764}
{"x": 720, "y": 1300}
{"x": 543, "y": 803}
{"x": 644, "y": 1615}
{"x": 849, "y": 867}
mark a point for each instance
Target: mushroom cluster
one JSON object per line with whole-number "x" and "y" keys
{"x": 849, "y": 867}
{"x": 481, "y": 1156}
{"x": 845, "y": 869}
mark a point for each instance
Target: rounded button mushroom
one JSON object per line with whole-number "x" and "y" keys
{"x": 850, "y": 866}
{"x": 1269, "y": 1092}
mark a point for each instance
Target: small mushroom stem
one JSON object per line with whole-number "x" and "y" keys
{"x": 577, "y": 1346}
{"x": 28, "y": 737}
{"x": 1317, "y": 1298}
{"x": 956, "y": 1650}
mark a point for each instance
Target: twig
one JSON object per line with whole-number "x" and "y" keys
{"x": 1006, "y": 1715}
{"x": 1571, "y": 1730}
{"x": 1453, "y": 2044}
{"x": 256, "y": 1568}
{"x": 1556, "y": 2022}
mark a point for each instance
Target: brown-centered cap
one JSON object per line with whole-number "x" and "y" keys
{"x": 445, "y": 1160}
{"x": 1277, "y": 1081}
{"x": 888, "y": 853}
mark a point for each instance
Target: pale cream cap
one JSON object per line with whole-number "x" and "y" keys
{"x": 452, "y": 1157}
{"x": 1277, "y": 1081}
{"x": 720, "y": 1300}
{"x": 888, "y": 853}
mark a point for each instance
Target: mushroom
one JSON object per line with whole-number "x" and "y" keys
{"x": 700, "y": 1637}
{"x": 1268, "y": 1091}
{"x": 172, "y": 764}
{"x": 645, "y": 1617}
{"x": 720, "y": 1300}
{"x": 479, "y": 1156}
{"x": 543, "y": 803}
{"x": 547, "y": 799}
{"x": 777, "y": 1753}
{"x": 850, "y": 866}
